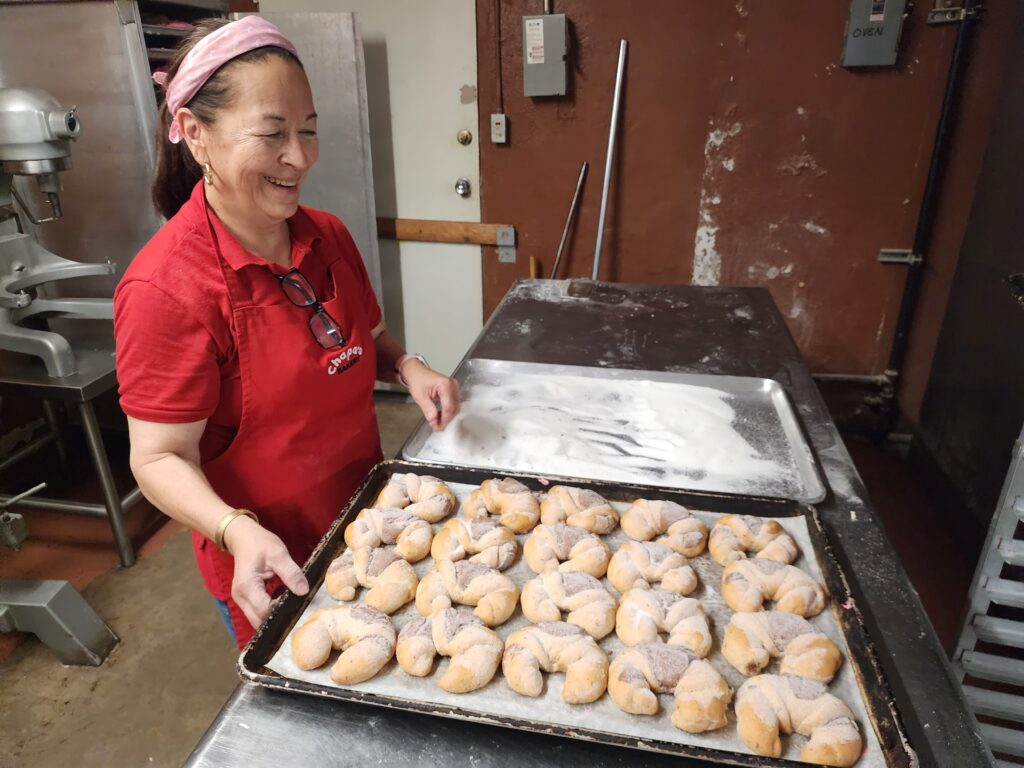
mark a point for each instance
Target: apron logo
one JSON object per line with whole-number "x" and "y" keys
{"x": 345, "y": 360}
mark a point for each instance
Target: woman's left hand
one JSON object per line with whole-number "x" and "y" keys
{"x": 430, "y": 389}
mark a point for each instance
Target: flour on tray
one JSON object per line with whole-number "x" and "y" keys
{"x": 639, "y": 431}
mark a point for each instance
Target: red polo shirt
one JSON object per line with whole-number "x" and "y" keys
{"x": 176, "y": 356}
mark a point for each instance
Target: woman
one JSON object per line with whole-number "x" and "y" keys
{"x": 248, "y": 335}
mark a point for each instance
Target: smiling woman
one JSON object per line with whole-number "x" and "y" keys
{"x": 262, "y": 424}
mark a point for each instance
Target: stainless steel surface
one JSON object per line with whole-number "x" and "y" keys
{"x": 763, "y": 417}
{"x": 59, "y": 617}
{"x": 568, "y": 219}
{"x": 612, "y": 132}
{"x": 79, "y": 53}
{"x": 690, "y": 329}
{"x": 498, "y": 703}
{"x": 462, "y": 187}
{"x": 331, "y": 48}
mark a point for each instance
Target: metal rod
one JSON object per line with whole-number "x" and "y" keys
{"x": 569, "y": 218}
{"x": 110, "y": 495}
{"x": 12, "y": 500}
{"x": 27, "y": 450}
{"x": 612, "y": 129}
{"x": 84, "y": 508}
{"x": 853, "y": 378}
{"x": 932, "y": 189}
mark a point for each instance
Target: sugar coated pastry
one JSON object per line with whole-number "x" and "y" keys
{"x": 482, "y": 541}
{"x": 555, "y": 646}
{"x": 422, "y": 495}
{"x": 768, "y": 705}
{"x": 735, "y": 535}
{"x": 566, "y": 548}
{"x": 746, "y": 584}
{"x": 373, "y": 527}
{"x": 752, "y": 640}
{"x": 638, "y": 674}
{"x": 642, "y": 564}
{"x": 493, "y": 594}
{"x": 590, "y": 606}
{"x": 390, "y": 579}
{"x": 510, "y": 501}
{"x": 580, "y": 507}
{"x": 364, "y": 635}
{"x": 475, "y": 650}
{"x": 671, "y": 524}
{"x": 643, "y": 613}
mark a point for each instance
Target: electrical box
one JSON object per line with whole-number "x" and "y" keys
{"x": 545, "y": 45}
{"x": 499, "y": 128}
{"x": 873, "y": 33}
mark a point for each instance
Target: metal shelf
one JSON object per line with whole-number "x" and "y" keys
{"x": 158, "y": 30}
{"x": 1004, "y": 706}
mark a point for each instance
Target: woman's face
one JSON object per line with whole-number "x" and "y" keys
{"x": 263, "y": 143}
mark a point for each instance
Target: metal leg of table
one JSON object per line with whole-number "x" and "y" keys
{"x": 54, "y": 424}
{"x": 110, "y": 495}
{"x": 60, "y": 617}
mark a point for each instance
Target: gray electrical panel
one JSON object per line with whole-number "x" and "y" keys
{"x": 873, "y": 33}
{"x": 545, "y": 42}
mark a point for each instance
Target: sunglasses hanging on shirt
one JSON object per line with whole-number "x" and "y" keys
{"x": 299, "y": 291}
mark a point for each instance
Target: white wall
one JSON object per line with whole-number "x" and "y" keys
{"x": 420, "y": 74}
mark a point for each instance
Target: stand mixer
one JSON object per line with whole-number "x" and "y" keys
{"x": 35, "y": 141}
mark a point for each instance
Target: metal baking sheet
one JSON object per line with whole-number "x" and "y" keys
{"x": 726, "y": 434}
{"x": 267, "y": 659}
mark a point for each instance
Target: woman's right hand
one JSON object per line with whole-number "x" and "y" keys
{"x": 259, "y": 556}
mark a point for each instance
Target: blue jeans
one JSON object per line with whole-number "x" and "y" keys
{"x": 222, "y": 609}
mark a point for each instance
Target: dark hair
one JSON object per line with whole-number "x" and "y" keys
{"x": 176, "y": 170}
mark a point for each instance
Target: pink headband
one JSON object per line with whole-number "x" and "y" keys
{"x": 210, "y": 54}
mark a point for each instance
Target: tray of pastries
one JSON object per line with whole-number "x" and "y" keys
{"x": 711, "y": 626}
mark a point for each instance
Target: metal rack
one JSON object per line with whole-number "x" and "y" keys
{"x": 988, "y": 658}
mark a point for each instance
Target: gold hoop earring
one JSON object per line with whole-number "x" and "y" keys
{"x": 207, "y": 174}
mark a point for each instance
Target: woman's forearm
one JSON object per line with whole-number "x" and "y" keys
{"x": 179, "y": 489}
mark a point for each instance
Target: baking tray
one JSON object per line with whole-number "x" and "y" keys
{"x": 726, "y": 434}
{"x": 877, "y": 713}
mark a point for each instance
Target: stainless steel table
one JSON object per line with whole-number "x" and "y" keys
{"x": 22, "y": 376}
{"x": 676, "y": 328}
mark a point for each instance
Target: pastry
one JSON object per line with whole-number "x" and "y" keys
{"x": 746, "y": 584}
{"x": 510, "y": 501}
{"x": 494, "y": 594}
{"x": 638, "y": 674}
{"x": 485, "y": 541}
{"x": 769, "y": 704}
{"x": 474, "y": 649}
{"x": 735, "y": 535}
{"x": 364, "y": 635}
{"x": 683, "y": 532}
{"x": 591, "y": 607}
{"x": 373, "y": 527}
{"x": 390, "y": 579}
{"x": 422, "y": 495}
{"x": 555, "y": 646}
{"x": 643, "y": 613}
{"x": 644, "y": 563}
{"x": 566, "y": 548}
{"x": 585, "y": 509}
{"x": 752, "y": 640}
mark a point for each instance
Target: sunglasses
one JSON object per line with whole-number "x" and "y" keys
{"x": 300, "y": 292}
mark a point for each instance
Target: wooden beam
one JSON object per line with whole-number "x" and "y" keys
{"x": 429, "y": 231}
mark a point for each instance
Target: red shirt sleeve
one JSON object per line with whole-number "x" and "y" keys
{"x": 167, "y": 364}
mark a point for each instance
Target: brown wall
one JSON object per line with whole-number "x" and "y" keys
{"x": 741, "y": 136}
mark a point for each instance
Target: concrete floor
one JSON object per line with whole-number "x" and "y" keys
{"x": 157, "y": 693}
{"x": 153, "y": 699}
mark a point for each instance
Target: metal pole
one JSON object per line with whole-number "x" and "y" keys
{"x": 569, "y": 218}
{"x": 608, "y": 159}
{"x": 110, "y": 495}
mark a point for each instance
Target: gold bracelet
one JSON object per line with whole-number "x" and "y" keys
{"x": 218, "y": 537}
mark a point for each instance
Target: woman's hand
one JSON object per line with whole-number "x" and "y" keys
{"x": 429, "y": 389}
{"x": 259, "y": 556}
